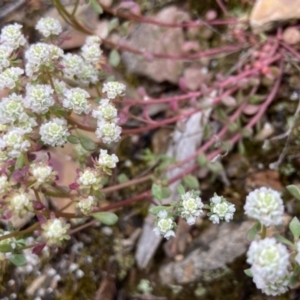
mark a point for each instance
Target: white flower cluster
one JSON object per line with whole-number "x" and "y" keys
{"x": 191, "y": 207}
{"x": 5, "y": 53}
{"x": 39, "y": 98}
{"x": 91, "y": 51}
{"x": 86, "y": 204}
{"x": 42, "y": 173}
{"x": 55, "y": 231}
{"x": 89, "y": 178}
{"x": 106, "y": 115}
{"x": 9, "y": 77}
{"x": 106, "y": 162}
{"x": 12, "y": 36}
{"x": 48, "y": 26}
{"x": 270, "y": 266}
{"x": 220, "y": 209}
{"x": 19, "y": 202}
{"x": 76, "y": 100}
{"x": 265, "y": 205}
{"x": 54, "y": 132}
{"x": 164, "y": 225}
{"x": 114, "y": 89}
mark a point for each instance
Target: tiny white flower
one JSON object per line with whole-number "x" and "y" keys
{"x": 191, "y": 207}
{"x": 19, "y": 202}
{"x": 15, "y": 143}
{"x": 12, "y": 36}
{"x": 89, "y": 178}
{"x": 88, "y": 74}
{"x": 108, "y": 132}
{"x": 86, "y": 204}
{"x": 10, "y": 77}
{"x": 220, "y": 209}
{"x": 106, "y": 161}
{"x": 91, "y": 53}
{"x": 105, "y": 111}
{"x": 12, "y": 109}
{"x": 72, "y": 64}
{"x": 39, "y": 98}
{"x": 114, "y": 89}
{"x": 42, "y": 173}
{"x": 54, "y": 132}
{"x": 265, "y": 205}
{"x": 164, "y": 226}
{"x": 55, "y": 231}
{"x": 5, "y": 52}
{"x": 269, "y": 265}
{"x": 76, "y": 100}
{"x": 48, "y": 26}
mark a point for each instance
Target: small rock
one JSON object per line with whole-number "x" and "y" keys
{"x": 154, "y": 39}
{"x": 221, "y": 245}
{"x": 291, "y": 36}
{"x": 195, "y": 77}
{"x": 267, "y": 12}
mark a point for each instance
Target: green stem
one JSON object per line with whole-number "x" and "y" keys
{"x": 263, "y": 231}
{"x": 19, "y": 233}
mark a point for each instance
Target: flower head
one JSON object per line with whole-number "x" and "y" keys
{"x": 10, "y": 77}
{"x": 105, "y": 111}
{"x": 54, "y": 132}
{"x": 92, "y": 39}
{"x": 12, "y": 109}
{"x": 24, "y": 125}
{"x": 48, "y": 26}
{"x": 42, "y": 173}
{"x": 114, "y": 89}
{"x": 220, "y": 209}
{"x": 265, "y": 205}
{"x": 19, "y": 202}
{"x": 106, "y": 162}
{"x": 108, "y": 132}
{"x": 72, "y": 64}
{"x": 88, "y": 74}
{"x": 91, "y": 53}
{"x": 269, "y": 265}
{"x": 55, "y": 231}
{"x": 39, "y": 98}
{"x": 14, "y": 142}
{"x": 164, "y": 225}
{"x": 191, "y": 207}
{"x": 5, "y": 52}
{"x": 89, "y": 178}
{"x": 12, "y": 36}
{"x": 86, "y": 204}
{"x": 76, "y": 100}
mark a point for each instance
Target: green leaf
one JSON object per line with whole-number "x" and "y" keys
{"x": 248, "y": 272}
{"x": 156, "y": 209}
{"x": 122, "y": 178}
{"x": 166, "y": 192}
{"x": 113, "y": 24}
{"x": 295, "y": 227}
{"x": 107, "y": 218}
{"x": 18, "y": 260}
{"x": 294, "y": 279}
{"x": 86, "y": 142}
{"x": 156, "y": 191}
{"x": 294, "y": 190}
{"x": 96, "y": 7}
{"x": 5, "y": 248}
{"x": 201, "y": 160}
{"x": 253, "y": 231}
{"x": 20, "y": 161}
{"x": 73, "y": 139}
{"x": 61, "y": 112}
{"x": 241, "y": 147}
{"x": 283, "y": 240}
{"x": 180, "y": 189}
{"x": 191, "y": 182}
{"x": 114, "y": 58}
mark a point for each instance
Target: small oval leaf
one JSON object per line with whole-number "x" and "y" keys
{"x": 106, "y": 217}
{"x": 294, "y": 190}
